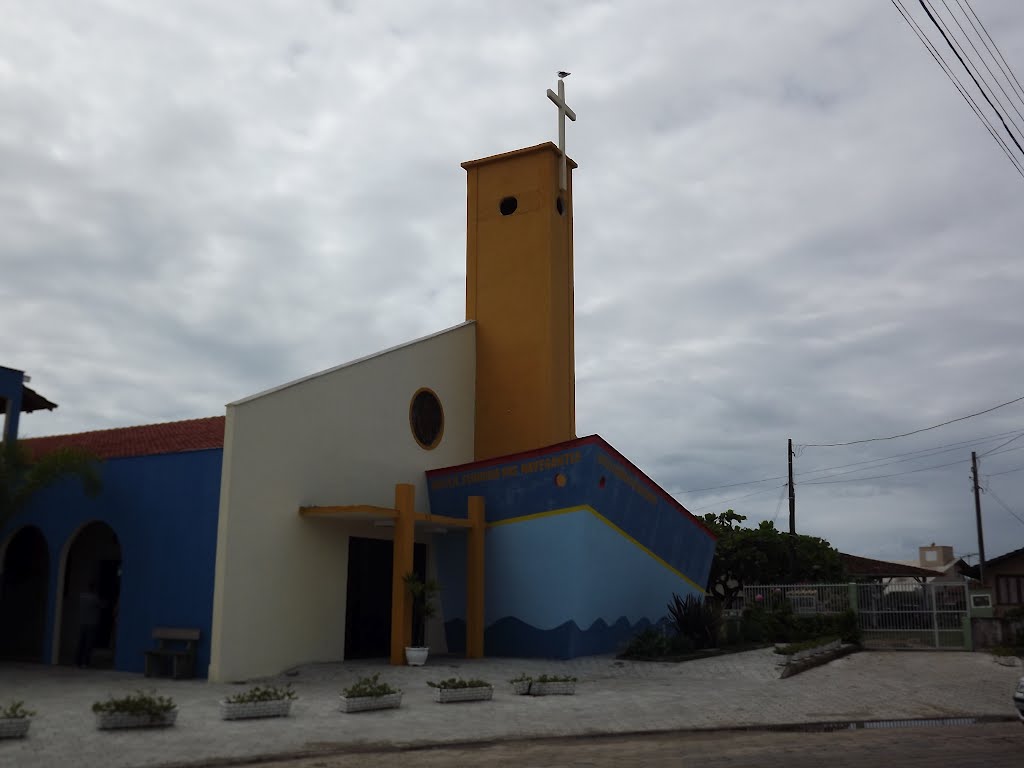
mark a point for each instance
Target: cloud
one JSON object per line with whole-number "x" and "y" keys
{"x": 787, "y": 224}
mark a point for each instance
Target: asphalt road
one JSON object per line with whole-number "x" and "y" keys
{"x": 999, "y": 745}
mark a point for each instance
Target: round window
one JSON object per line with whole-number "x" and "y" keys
{"x": 426, "y": 418}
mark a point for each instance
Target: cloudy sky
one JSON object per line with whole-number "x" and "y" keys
{"x": 788, "y": 224}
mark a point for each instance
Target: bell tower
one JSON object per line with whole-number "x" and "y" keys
{"x": 519, "y": 290}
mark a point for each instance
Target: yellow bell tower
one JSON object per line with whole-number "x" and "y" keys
{"x": 519, "y": 290}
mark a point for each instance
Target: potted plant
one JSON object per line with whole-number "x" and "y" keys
{"x": 424, "y": 607}
{"x": 15, "y": 720}
{"x": 545, "y": 685}
{"x": 521, "y": 684}
{"x": 259, "y": 701}
{"x": 454, "y": 689}
{"x": 139, "y": 710}
{"x": 369, "y": 693}
{"x": 553, "y": 685}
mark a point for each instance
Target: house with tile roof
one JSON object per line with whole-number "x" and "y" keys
{"x": 284, "y": 529}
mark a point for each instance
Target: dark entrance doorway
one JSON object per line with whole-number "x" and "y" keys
{"x": 368, "y": 600}
{"x": 24, "y": 584}
{"x": 93, "y": 565}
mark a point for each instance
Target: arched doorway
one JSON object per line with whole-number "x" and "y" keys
{"x": 24, "y": 584}
{"x": 91, "y": 591}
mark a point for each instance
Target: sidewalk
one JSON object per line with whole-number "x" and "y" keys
{"x": 613, "y": 696}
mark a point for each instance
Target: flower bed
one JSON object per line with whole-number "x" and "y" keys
{"x": 260, "y": 701}
{"x": 15, "y": 720}
{"x": 111, "y": 720}
{"x": 370, "y": 703}
{"x": 245, "y": 710}
{"x": 452, "y": 695}
{"x": 139, "y": 710}
{"x": 453, "y": 690}
{"x": 14, "y": 727}
{"x": 545, "y": 685}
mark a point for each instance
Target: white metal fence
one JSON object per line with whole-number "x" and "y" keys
{"x": 895, "y": 615}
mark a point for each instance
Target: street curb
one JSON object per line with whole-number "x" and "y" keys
{"x": 822, "y": 726}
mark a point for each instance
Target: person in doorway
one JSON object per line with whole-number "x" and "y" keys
{"x": 88, "y": 621}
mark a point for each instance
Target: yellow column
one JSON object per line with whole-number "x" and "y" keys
{"x": 475, "y": 580}
{"x": 402, "y": 548}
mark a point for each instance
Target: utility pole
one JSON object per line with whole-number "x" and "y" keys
{"x": 977, "y": 515}
{"x": 792, "y": 491}
{"x": 792, "y": 513}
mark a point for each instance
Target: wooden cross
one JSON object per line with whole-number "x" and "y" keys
{"x": 563, "y": 112}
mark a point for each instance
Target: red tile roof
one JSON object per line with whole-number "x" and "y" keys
{"x": 146, "y": 440}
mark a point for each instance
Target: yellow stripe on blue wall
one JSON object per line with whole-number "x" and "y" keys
{"x": 606, "y": 521}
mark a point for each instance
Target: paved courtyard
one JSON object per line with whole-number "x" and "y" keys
{"x": 612, "y": 697}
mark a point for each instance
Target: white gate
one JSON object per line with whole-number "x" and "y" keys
{"x": 894, "y": 615}
{"x": 911, "y": 615}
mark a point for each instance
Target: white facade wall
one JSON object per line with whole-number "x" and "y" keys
{"x": 341, "y": 437}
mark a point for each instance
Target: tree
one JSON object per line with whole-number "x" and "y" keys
{"x": 22, "y": 477}
{"x": 765, "y": 555}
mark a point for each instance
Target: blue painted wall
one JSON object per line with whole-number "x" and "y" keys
{"x": 583, "y": 550}
{"x": 163, "y": 510}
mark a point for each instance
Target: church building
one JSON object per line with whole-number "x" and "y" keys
{"x": 283, "y": 530}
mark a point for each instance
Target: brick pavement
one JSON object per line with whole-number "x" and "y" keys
{"x": 613, "y": 697}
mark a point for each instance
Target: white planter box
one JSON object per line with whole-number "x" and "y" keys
{"x": 14, "y": 727}
{"x": 109, "y": 720}
{"x": 368, "y": 703}
{"x": 452, "y": 695}
{"x": 416, "y": 656}
{"x": 521, "y": 687}
{"x": 553, "y": 689}
{"x": 252, "y": 709}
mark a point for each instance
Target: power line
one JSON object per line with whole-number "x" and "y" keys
{"x": 981, "y": 57}
{"x": 1003, "y": 504}
{"x": 879, "y": 477}
{"x": 730, "y": 485}
{"x": 1002, "y": 445}
{"x": 737, "y": 498}
{"x": 778, "y": 507}
{"x": 1005, "y": 472}
{"x": 925, "y": 453}
{"x": 956, "y": 53}
{"x": 916, "y": 431}
{"x": 947, "y": 70}
{"x": 1008, "y": 72}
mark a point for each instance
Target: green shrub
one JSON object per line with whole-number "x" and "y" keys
{"x": 16, "y": 711}
{"x": 697, "y": 619}
{"x": 137, "y": 704}
{"x": 369, "y": 687}
{"x": 522, "y": 678}
{"x": 781, "y": 625}
{"x": 262, "y": 693}
{"x": 455, "y": 683}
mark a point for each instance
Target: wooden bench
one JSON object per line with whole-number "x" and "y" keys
{"x": 175, "y": 654}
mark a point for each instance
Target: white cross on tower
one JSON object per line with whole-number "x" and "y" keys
{"x": 563, "y": 112}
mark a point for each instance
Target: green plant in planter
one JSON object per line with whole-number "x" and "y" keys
{"x": 368, "y": 687}
{"x": 139, "y": 703}
{"x": 16, "y": 711}
{"x": 522, "y": 678}
{"x": 555, "y": 679}
{"x": 263, "y": 693}
{"x": 424, "y": 606}
{"x": 454, "y": 683}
